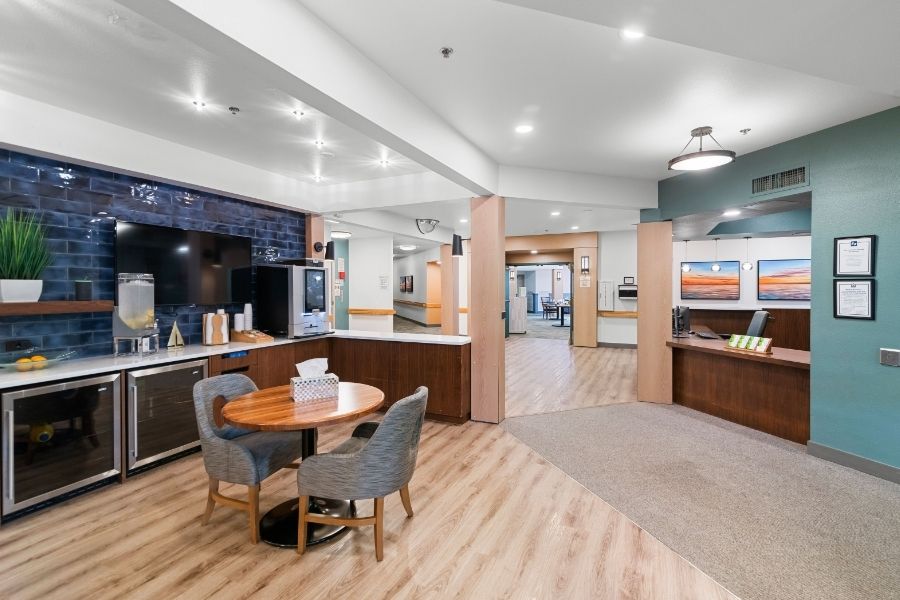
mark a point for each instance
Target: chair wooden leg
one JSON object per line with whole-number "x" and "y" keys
{"x": 404, "y": 496}
{"x": 301, "y": 524}
{"x": 253, "y": 512}
{"x": 210, "y": 500}
{"x": 379, "y": 529}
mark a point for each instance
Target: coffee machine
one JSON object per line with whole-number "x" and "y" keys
{"x": 293, "y": 300}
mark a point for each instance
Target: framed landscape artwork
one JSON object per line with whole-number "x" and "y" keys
{"x": 784, "y": 279}
{"x": 409, "y": 284}
{"x": 403, "y": 284}
{"x": 700, "y": 282}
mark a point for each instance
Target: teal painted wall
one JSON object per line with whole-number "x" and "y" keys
{"x": 341, "y": 316}
{"x": 854, "y": 172}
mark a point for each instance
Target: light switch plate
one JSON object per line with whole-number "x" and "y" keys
{"x": 890, "y": 357}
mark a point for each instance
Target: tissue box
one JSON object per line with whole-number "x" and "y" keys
{"x": 315, "y": 389}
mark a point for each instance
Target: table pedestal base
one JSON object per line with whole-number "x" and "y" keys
{"x": 278, "y": 527}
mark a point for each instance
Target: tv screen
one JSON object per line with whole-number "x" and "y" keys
{"x": 188, "y": 267}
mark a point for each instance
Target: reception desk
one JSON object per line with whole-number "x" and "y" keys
{"x": 767, "y": 392}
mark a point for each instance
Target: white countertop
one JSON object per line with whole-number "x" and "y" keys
{"x": 83, "y": 367}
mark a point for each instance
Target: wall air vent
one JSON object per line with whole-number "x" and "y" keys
{"x": 780, "y": 181}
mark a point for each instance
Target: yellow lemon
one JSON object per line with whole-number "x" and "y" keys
{"x": 24, "y": 364}
{"x": 38, "y": 361}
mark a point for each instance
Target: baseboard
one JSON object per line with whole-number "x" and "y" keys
{"x": 612, "y": 345}
{"x": 871, "y": 467}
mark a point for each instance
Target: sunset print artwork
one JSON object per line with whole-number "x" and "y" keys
{"x": 784, "y": 279}
{"x": 702, "y": 283}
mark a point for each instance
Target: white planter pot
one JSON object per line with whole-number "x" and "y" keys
{"x": 20, "y": 290}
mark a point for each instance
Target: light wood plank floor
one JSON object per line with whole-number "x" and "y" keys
{"x": 493, "y": 520}
{"x": 549, "y": 375}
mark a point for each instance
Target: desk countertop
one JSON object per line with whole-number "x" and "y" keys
{"x": 83, "y": 367}
{"x": 784, "y": 357}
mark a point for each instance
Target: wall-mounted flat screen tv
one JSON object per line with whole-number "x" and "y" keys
{"x": 700, "y": 282}
{"x": 784, "y": 279}
{"x": 188, "y": 267}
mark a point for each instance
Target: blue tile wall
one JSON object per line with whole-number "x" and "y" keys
{"x": 79, "y": 207}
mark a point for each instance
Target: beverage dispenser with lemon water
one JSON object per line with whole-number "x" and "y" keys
{"x": 134, "y": 319}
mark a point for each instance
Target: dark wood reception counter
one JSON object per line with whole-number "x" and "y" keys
{"x": 769, "y": 393}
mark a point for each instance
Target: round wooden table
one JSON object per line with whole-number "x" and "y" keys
{"x": 273, "y": 409}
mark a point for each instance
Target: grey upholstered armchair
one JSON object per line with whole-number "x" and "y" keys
{"x": 378, "y": 460}
{"x": 237, "y": 455}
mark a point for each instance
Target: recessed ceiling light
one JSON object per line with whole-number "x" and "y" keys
{"x": 406, "y": 247}
{"x": 199, "y": 104}
{"x": 524, "y": 128}
{"x": 298, "y": 114}
{"x": 317, "y": 178}
{"x": 319, "y": 143}
{"x": 384, "y": 162}
{"x": 631, "y": 34}
{"x": 463, "y": 220}
{"x": 574, "y": 227}
{"x": 555, "y": 213}
{"x": 332, "y": 221}
{"x": 534, "y": 251}
{"x": 731, "y": 213}
{"x": 340, "y": 235}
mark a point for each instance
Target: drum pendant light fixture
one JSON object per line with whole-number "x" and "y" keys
{"x": 703, "y": 159}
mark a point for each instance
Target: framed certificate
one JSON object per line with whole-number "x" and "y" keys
{"x": 854, "y": 299}
{"x": 854, "y": 256}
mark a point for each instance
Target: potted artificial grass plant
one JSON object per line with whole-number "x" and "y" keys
{"x": 23, "y": 257}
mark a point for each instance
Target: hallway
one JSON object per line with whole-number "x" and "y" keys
{"x": 544, "y": 375}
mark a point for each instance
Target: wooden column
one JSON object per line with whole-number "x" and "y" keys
{"x": 485, "y": 324}
{"x": 584, "y": 299}
{"x": 449, "y": 291}
{"x": 315, "y": 232}
{"x": 654, "y": 278}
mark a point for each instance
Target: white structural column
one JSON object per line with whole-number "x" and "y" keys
{"x": 485, "y": 326}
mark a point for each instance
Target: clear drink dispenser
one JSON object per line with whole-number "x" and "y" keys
{"x": 134, "y": 319}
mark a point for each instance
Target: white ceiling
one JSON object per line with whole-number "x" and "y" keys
{"x": 361, "y": 232}
{"x": 598, "y": 103}
{"x": 526, "y": 217}
{"x": 100, "y": 59}
{"x": 851, "y": 42}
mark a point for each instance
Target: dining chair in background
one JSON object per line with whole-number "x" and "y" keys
{"x": 237, "y": 455}
{"x": 377, "y": 460}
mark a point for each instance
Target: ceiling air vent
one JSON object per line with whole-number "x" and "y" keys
{"x": 780, "y": 181}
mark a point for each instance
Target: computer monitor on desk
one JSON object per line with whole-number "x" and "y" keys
{"x": 681, "y": 322}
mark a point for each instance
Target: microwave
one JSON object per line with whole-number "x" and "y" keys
{"x": 292, "y": 300}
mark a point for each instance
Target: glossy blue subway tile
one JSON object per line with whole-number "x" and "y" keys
{"x": 31, "y": 188}
{"x": 19, "y": 172}
{"x": 64, "y": 177}
{"x": 66, "y": 206}
{"x": 34, "y": 161}
{"x": 18, "y": 201}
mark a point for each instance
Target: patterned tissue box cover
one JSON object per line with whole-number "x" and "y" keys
{"x": 315, "y": 390}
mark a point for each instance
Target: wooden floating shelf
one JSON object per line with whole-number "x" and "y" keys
{"x": 54, "y": 307}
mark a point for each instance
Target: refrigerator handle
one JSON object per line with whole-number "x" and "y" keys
{"x": 133, "y": 422}
{"x": 10, "y": 448}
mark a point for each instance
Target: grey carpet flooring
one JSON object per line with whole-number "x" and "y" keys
{"x": 756, "y": 513}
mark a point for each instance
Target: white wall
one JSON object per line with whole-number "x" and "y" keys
{"x": 370, "y": 261}
{"x": 760, "y": 249}
{"x": 618, "y": 259}
{"x": 415, "y": 265}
